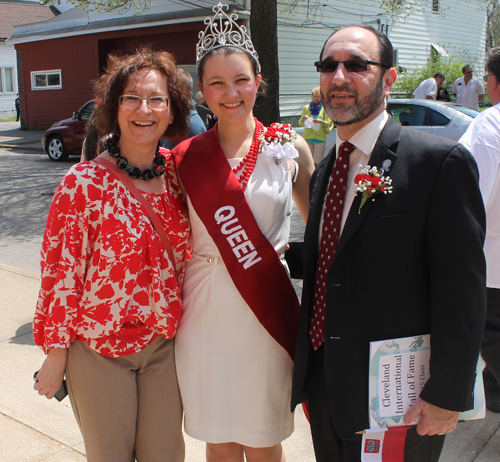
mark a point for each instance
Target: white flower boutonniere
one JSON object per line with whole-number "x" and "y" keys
{"x": 277, "y": 142}
{"x": 370, "y": 181}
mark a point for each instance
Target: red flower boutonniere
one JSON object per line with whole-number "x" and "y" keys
{"x": 279, "y": 133}
{"x": 370, "y": 181}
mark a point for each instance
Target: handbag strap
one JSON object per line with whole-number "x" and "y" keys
{"x": 151, "y": 213}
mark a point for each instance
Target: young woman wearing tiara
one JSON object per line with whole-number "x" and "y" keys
{"x": 235, "y": 343}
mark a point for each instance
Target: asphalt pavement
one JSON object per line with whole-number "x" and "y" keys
{"x": 33, "y": 428}
{"x": 27, "y": 141}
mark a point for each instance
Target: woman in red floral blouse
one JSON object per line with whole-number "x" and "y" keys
{"x": 109, "y": 303}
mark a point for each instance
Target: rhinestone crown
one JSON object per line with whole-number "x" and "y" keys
{"x": 223, "y": 31}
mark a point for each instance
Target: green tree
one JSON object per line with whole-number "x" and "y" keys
{"x": 493, "y": 25}
{"x": 395, "y": 10}
{"x": 107, "y": 6}
{"x": 263, "y": 27}
{"x": 406, "y": 83}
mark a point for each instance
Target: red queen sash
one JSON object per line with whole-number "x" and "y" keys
{"x": 250, "y": 259}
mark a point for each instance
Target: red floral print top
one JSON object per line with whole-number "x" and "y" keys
{"x": 106, "y": 277}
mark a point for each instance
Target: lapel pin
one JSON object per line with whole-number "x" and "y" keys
{"x": 386, "y": 165}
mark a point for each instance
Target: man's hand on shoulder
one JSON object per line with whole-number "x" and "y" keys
{"x": 435, "y": 420}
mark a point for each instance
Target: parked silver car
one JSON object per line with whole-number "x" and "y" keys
{"x": 449, "y": 120}
{"x": 441, "y": 118}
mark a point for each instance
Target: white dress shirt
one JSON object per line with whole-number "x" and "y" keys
{"x": 468, "y": 95}
{"x": 364, "y": 142}
{"x": 482, "y": 139}
{"x": 427, "y": 87}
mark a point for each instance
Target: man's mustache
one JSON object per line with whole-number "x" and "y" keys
{"x": 343, "y": 88}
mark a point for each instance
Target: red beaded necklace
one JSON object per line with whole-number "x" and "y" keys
{"x": 250, "y": 158}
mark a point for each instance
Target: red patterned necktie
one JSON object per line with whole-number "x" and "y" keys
{"x": 332, "y": 218}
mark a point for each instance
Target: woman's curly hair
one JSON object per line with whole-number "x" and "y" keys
{"x": 110, "y": 87}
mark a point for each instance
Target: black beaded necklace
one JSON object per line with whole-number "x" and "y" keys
{"x": 148, "y": 174}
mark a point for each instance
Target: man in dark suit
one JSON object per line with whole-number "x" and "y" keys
{"x": 400, "y": 264}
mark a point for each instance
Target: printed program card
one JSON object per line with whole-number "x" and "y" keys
{"x": 399, "y": 369}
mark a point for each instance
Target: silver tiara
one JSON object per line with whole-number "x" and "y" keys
{"x": 223, "y": 31}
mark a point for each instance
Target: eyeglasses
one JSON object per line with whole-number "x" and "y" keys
{"x": 328, "y": 66}
{"x": 134, "y": 102}
{"x": 486, "y": 77}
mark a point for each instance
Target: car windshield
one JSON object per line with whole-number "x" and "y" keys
{"x": 470, "y": 112}
{"x": 86, "y": 111}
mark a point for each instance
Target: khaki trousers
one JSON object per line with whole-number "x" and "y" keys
{"x": 317, "y": 151}
{"x": 128, "y": 408}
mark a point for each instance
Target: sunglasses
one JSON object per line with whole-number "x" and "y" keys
{"x": 328, "y": 66}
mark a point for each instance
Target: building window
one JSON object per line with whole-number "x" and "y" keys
{"x": 435, "y": 6}
{"x": 9, "y": 79}
{"x": 6, "y": 80}
{"x": 438, "y": 52}
{"x": 46, "y": 80}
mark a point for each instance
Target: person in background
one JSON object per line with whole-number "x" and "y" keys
{"x": 482, "y": 139}
{"x": 317, "y": 124}
{"x": 395, "y": 265}
{"x": 468, "y": 90}
{"x": 195, "y": 123}
{"x": 93, "y": 144}
{"x": 18, "y": 107}
{"x": 203, "y": 110}
{"x": 235, "y": 342}
{"x": 428, "y": 88}
{"x": 109, "y": 303}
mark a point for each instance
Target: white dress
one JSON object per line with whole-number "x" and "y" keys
{"x": 235, "y": 379}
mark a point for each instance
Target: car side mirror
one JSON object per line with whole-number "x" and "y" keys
{"x": 76, "y": 115}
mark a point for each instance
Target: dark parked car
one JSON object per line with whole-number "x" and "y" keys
{"x": 66, "y": 137}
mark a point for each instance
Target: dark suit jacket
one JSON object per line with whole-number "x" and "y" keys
{"x": 410, "y": 263}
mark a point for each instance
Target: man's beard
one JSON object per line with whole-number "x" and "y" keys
{"x": 359, "y": 111}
